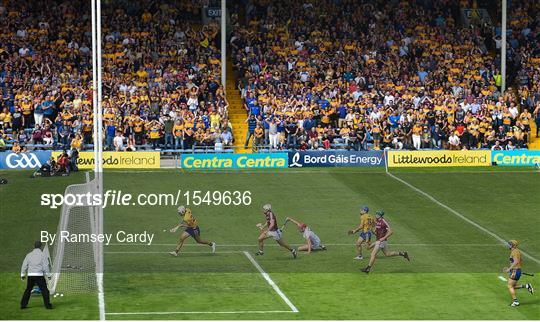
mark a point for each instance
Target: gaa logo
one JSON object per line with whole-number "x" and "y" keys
{"x": 22, "y": 161}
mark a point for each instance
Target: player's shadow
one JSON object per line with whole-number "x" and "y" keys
{"x": 533, "y": 302}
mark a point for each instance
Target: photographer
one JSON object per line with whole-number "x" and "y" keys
{"x": 34, "y": 268}
{"x": 73, "y": 159}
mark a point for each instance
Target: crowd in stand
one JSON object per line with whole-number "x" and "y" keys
{"x": 523, "y": 39}
{"x": 371, "y": 74}
{"x": 161, "y": 85}
{"x": 315, "y": 74}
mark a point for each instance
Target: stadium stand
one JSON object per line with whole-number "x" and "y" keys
{"x": 397, "y": 74}
{"x": 373, "y": 74}
{"x": 160, "y": 78}
{"x": 524, "y": 57}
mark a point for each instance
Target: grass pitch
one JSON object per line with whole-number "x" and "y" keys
{"x": 453, "y": 273}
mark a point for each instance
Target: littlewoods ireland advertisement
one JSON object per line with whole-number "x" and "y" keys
{"x": 119, "y": 160}
{"x": 397, "y": 159}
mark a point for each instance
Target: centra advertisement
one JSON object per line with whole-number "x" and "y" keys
{"x": 462, "y": 158}
{"x": 234, "y": 161}
{"x": 516, "y": 158}
{"x": 119, "y": 160}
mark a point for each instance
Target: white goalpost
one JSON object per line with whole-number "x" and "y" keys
{"x": 77, "y": 267}
{"x": 98, "y": 146}
{"x": 74, "y": 264}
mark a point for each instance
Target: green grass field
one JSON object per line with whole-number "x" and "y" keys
{"x": 454, "y": 271}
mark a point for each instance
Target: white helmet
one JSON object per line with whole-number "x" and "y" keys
{"x": 267, "y": 207}
{"x": 181, "y": 210}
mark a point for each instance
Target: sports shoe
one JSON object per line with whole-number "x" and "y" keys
{"x": 323, "y": 247}
{"x": 259, "y": 253}
{"x": 213, "y": 247}
{"x": 529, "y": 288}
{"x": 406, "y": 256}
{"x": 359, "y": 257}
{"x": 366, "y": 270}
{"x": 173, "y": 253}
{"x": 514, "y": 303}
{"x": 294, "y": 253}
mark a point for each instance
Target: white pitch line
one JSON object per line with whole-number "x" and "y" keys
{"x": 141, "y": 252}
{"x": 196, "y": 312}
{"x": 101, "y": 304}
{"x": 101, "y": 296}
{"x": 271, "y": 282}
{"x": 464, "y": 218}
{"x": 274, "y": 245}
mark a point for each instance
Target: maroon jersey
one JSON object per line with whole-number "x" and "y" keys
{"x": 381, "y": 228}
{"x": 271, "y": 221}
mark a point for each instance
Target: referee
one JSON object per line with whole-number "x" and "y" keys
{"x": 35, "y": 266}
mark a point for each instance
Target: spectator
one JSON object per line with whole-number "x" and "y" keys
{"x": 118, "y": 141}
{"x": 454, "y": 142}
{"x": 226, "y": 137}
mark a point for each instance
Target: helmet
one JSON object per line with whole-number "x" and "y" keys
{"x": 379, "y": 213}
{"x": 181, "y": 210}
{"x": 302, "y": 227}
{"x": 267, "y": 207}
{"x": 365, "y": 208}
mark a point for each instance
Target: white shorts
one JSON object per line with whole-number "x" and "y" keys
{"x": 275, "y": 234}
{"x": 316, "y": 246}
{"x": 382, "y": 244}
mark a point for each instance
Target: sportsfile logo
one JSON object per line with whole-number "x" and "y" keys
{"x": 22, "y": 161}
{"x": 439, "y": 158}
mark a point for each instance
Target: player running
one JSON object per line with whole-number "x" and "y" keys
{"x": 189, "y": 222}
{"x": 270, "y": 230}
{"x": 514, "y": 272}
{"x": 382, "y": 232}
{"x": 367, "y": 222}
{"x": 313, "y": 242}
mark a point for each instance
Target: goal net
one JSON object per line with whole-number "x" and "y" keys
{"x": 76, "y": 261}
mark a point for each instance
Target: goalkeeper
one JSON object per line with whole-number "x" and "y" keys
{"x": 189, "y": 222}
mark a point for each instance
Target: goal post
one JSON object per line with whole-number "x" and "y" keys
{"x": 77, "y": 267}
{"x": 76, "y": 264}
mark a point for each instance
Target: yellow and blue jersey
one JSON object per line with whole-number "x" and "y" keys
{"x": 189, "y": 219}
{"x": 367, "y": 222}
{"x": 515, "y": 259}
